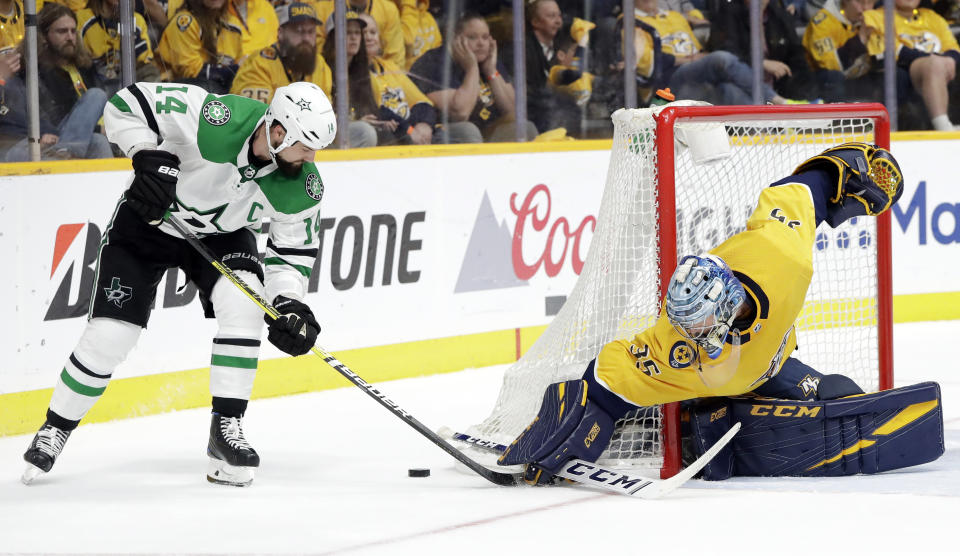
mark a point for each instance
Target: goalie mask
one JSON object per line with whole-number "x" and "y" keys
{"x": 702, "y": 301}
{"x": 305, "y": 113}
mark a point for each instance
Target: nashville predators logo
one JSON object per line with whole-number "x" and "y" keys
{"x": 183, "y": 21}
{"x": 681, "y": 355}
{"x": 925, "y": 41}
{"x": 117, "y": 293}
{"x": 809, "y": 385}
{"x": 216, "y": 112}
{"x": 681, "y": 43}
{"x": 394, "y": 99}
{"x": 314, "y": 186}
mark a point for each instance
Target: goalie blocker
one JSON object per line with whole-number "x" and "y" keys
{"x": 867, "y": 433}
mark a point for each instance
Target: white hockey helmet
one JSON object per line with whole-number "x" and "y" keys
{"x": 703, "y": 299}
{"x": 304, "y": 111}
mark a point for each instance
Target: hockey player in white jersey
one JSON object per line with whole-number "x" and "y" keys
{"x": 221, "y": 164}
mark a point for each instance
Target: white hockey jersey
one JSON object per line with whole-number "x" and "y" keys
{"x": 219, "y": 190}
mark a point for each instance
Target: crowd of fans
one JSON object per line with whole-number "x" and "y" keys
{"x": 419, "y": 75}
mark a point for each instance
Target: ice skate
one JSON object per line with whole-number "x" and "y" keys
{"x": 232, "y": 459}
{"x": 43, "y": 452}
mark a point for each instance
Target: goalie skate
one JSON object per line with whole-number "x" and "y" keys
{"x": 232, "y": 459}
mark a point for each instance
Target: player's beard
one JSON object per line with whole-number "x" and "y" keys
{"x": 289, "y": 169}
{"x": 300, "y": 59}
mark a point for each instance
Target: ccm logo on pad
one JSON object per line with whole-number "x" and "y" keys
{"x": 172, "y": 172}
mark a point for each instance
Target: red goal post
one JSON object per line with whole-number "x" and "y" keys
{"x": 666, "y": 122}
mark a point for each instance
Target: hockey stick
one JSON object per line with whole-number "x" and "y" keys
{"x": 503, "y": 479}
{"x": 593, "y": 474}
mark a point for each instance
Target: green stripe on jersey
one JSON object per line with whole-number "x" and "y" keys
{"x": 81, "y": 389}
{"x": 121, "y": 105}
{"x": 305, "y": 270}
{"x": 233, "y": 361}
{"x": 293, "y": 195}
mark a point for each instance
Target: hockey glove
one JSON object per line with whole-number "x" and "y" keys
{"x": 218, "y": 74}
{"x": 154, "y": 186}
{"x": 568, "y": 426}
{"x": 295, "y": 330}
{"x": 869, "y": 180}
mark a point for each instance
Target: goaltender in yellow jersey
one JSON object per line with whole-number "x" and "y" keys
{"x": 659, "y": 365}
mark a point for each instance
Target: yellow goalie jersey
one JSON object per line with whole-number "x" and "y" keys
{"x": 260, "y": 75}
{"x": 773, "y": 259}
{"x": 925, "y": 31}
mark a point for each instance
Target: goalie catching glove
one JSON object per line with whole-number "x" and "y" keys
{"x": 868, "y": 180}
{"x": 295, "y": 331}
{"x": 154, "y": 186}
{"x": 568, "y": 426}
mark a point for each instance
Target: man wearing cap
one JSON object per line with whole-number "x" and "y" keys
{"x": 387, "y": 16}
{"x": 294, "y": 57}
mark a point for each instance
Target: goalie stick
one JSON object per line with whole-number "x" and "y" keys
{"x": 595, "y": 475}
{"x": 503, "y": 479}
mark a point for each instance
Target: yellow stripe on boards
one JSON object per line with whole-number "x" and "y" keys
{"x": 23, "y": 412}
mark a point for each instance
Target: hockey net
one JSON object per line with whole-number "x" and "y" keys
{"x": 663, "y": 200}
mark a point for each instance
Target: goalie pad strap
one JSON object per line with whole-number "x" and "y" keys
{"x": 859, "y": 434}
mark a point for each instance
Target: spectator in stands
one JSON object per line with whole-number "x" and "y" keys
{"x": 11, "y": 33}
{"x": 927, "y": 51}
{"x": 387, "y": 16}
{"x": 568, "y": 76}
{"x": 11, "y": 23}
{"x": 478, "y": 99}
{"x": 695, "y": 18}
{"x": 99, "y": 33}
{"x": 364, "y": 104}
{"x": 70, "y": 101}
{"x": 294, "y": 57}
{"x": 718, "y": 77}
{"x": 836, "y": 44}
{"x": 255, "y": 19}
{"x": 399, "y": 99}
{"x": 784, "y": 59}
{"x": 201, "y": 46}
{"x": 420, "y": 30}
{"x": 546, "y": 109}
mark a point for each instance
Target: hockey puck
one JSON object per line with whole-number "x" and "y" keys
{"x": 418, "y": 472}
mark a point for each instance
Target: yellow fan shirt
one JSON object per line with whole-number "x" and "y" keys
{"x": 260, "y": 75}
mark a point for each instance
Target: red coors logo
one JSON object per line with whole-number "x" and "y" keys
{"x": 534, "y": 216}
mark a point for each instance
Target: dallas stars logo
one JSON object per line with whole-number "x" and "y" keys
{"x": 117, "y": 293}
{"x": 203, "y": 222}
{"x": 216, "y": 112}
{"x": 314, "y": 186}
{"x": 304, "y": 104}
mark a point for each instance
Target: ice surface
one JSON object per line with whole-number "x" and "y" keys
{"x": 334, "y": 480}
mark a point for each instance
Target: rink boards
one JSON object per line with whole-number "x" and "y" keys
{"x": 432, "y": 260}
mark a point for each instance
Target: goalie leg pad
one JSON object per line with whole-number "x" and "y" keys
{"x": 568, "y": 426}
{"x": 868, "y": 180}
{"x": 870, "y": 433}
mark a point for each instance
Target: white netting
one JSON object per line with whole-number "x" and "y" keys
{"x": 617, "y": 293}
